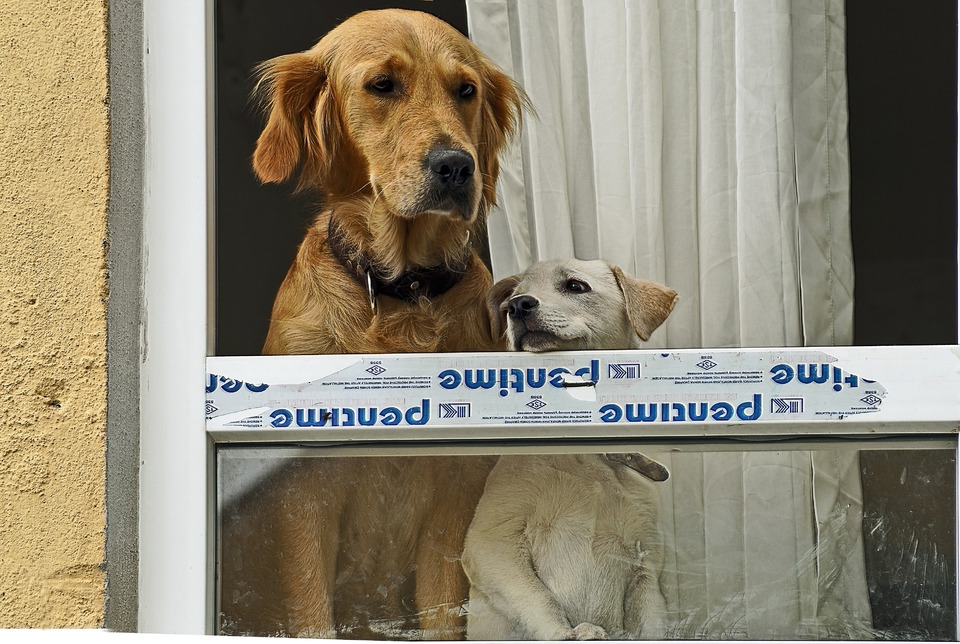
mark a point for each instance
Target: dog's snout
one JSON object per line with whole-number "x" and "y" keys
{"x": 451, "y": 166}
{"x": 519, "y": 307}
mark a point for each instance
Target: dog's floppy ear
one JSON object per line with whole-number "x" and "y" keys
{"x": 503, "y": 103}
{"x": 648, "y": 303}
{"x": 293, "y": 89}
{"x": 641, "y": 464}
{"x": 500, "y": 293}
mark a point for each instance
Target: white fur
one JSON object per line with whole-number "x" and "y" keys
{"x": 568, "y": 546}
{"x": 538, "y": 310}
{"x": 564, "y": 547}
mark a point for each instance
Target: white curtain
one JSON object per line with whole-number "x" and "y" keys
{"x": 764, "y": 545}
{"x": 698, "y": 143}
{"x": 702, "y": 144}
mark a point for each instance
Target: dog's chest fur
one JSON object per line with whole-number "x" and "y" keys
{"x": 337, "y": 316}
{"x": 589, "y": 534}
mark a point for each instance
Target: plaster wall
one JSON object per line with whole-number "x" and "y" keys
{"x": 54, "y": 181}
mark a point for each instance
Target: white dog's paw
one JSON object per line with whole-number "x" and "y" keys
{"x": 641, "y": 554}
{"x": 588, "y": 631}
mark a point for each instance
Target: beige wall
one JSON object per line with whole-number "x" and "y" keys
{"x": 53, "y": 288}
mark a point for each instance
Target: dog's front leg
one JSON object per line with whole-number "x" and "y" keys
{"x": 442, "y": 588}
{"x": 644, "y": 608}
{"x": 511, "y": 600}
{"x": 307, "y": 541}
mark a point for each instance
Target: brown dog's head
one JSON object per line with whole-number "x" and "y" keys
{"x": 394, "y": 103}
{"x": 573, "y": 304}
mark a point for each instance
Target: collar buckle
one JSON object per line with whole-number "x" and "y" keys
{"x": 371, "y": 291}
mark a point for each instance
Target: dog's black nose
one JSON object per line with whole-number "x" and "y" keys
{"x": 451, "y": 166}
{"x": 518, "y": 307}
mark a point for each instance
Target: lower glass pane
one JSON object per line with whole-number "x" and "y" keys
{"x": 728, "y": 540}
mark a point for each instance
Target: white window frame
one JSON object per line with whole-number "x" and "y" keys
{"x": 176, "y": 505}
{"x": 175, "y": 523}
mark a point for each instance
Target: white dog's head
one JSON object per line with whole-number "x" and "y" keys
{"x": 571, "y": 304}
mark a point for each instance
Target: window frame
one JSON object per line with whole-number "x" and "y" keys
{"x": 176, "y": 467}
{"x": 175, "y": 538}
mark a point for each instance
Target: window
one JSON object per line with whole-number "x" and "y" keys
{"x": 177, "y": 471}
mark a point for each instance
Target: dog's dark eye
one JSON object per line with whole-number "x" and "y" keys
{"x": 577, "y": 286}
{"x": 467, "y": 90}
{"x": 382, "y": 85}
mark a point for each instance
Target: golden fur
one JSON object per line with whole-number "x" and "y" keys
{"x": 358, "y": 547}
{"x": 365, "y": 150}
{"x": 351, "y": 547}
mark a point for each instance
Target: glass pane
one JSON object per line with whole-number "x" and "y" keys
{"x": 773, "y": 540}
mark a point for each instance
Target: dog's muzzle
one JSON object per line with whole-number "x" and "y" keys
{"x": 521, "y": 306}
{"x": 451, "y": 174}
{"x": 451, "y": 167}
{"x": 526, "y": 331}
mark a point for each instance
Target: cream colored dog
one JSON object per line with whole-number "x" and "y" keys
{"x": 574, "y": 304}
{"x": 568, "y": 546}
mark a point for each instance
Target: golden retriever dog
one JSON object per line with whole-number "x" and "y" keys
{"x": 397, "y": 120}
{"x": 363, "y": 547}
{"x": 567, "y": 546}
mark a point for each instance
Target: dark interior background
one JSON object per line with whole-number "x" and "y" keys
{"x": 902, "y": 84}
{"x": 902, "y": 74}
{"x": 260, "y": 226}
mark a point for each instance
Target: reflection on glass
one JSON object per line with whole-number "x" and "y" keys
{"x": 767, "y": 541}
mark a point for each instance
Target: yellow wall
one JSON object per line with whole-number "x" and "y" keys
{"x": 53, "y": 287}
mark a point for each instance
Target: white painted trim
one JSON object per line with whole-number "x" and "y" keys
{"x": 174, "y": 521}
{"x": 956, "y": 563}
{"x": 175, "y": 594}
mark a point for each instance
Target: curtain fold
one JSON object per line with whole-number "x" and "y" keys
{"x": 764, "y": 545}
{"x": 702, "y": 144}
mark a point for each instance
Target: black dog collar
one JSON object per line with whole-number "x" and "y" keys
{"x": 409, "y": 286}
